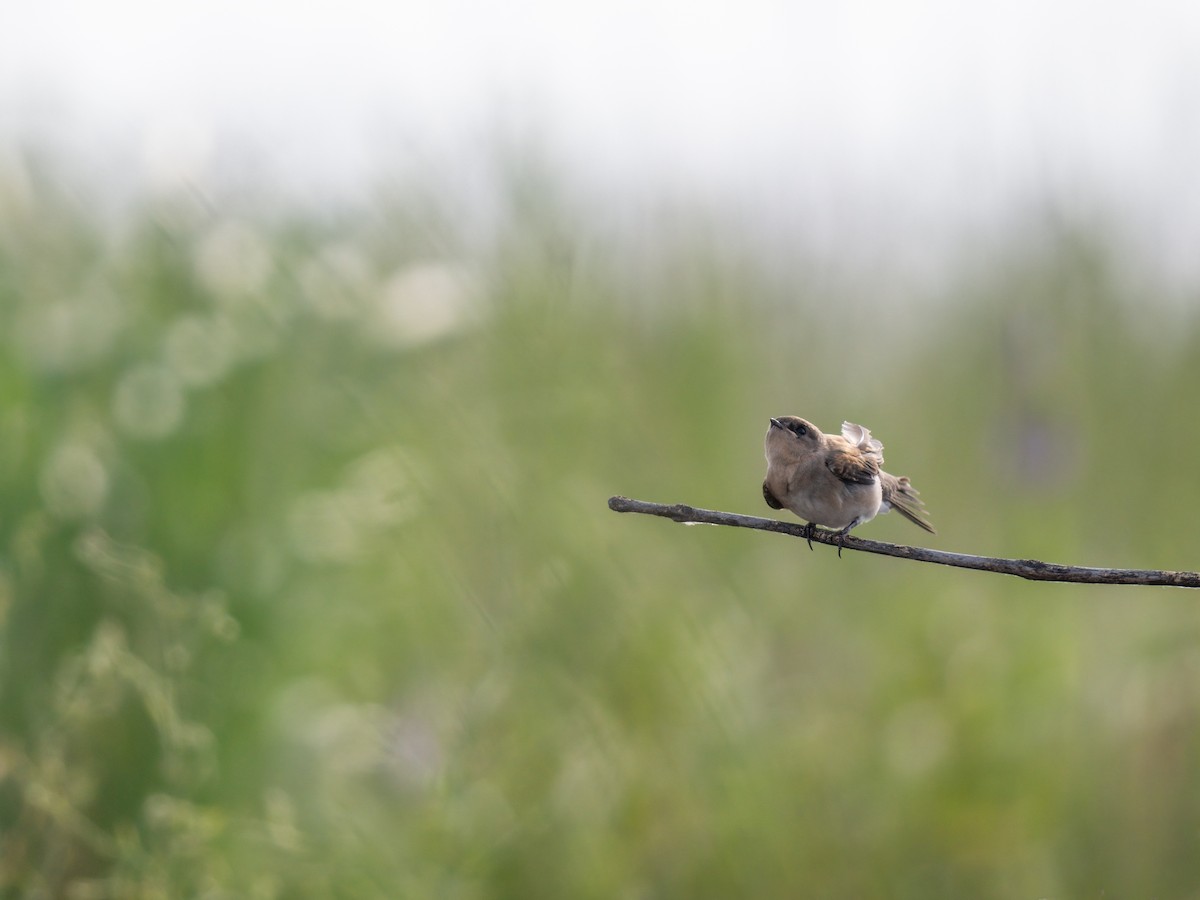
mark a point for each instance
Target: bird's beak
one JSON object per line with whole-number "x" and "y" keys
{"x": 775, "y": 423}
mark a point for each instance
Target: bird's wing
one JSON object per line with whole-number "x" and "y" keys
{"x": 772, "y": 500}
{"x": 853, "y": 466}
{"x": 860, "y": 437}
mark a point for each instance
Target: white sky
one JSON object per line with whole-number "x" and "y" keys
{"x": 917, "y": 110}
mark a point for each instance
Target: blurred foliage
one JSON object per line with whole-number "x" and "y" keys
{"x": 308, "y": 586}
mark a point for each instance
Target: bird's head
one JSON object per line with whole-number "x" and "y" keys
{"x": 790, "y": 438}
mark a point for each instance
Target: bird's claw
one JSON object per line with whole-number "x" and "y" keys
{"x": 841, "y": 537}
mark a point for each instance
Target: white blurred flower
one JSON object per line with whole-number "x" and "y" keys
{"x": 322, "y": 528}
{"x": 199, "y": 349}
{"x": 377, "y": 491}
{"x": 233, "y": 260}
{"x": 67, "y": 335}
{"x": 148, "y": 402}
{"x": 425, "y": 301}
{"x": 379, "y": 488}
{"x": 73, "y": 482}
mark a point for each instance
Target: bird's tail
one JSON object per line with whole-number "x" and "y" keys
{"x": 900, "y": 495}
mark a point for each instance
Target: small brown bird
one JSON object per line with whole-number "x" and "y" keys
{"x": 833, "y": 481}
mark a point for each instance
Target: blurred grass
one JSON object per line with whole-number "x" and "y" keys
{"x": 308, "y": 586}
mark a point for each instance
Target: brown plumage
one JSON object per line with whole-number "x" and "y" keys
{"x": 831, "y": 480}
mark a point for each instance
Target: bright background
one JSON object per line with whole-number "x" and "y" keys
{"x": 905, "y": 129}
{"x": 326, "y": 333}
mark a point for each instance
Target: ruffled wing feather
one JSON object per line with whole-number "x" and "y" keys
{"x": 860, "y": 437}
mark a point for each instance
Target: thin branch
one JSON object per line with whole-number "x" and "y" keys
{"x": 1032, "y": 569}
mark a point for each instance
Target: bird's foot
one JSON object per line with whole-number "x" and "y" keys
{"x": 841, "y": 536}
{"x": 809, "y": 530}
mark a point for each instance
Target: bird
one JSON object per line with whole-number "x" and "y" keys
{"x": 836, "y": 482}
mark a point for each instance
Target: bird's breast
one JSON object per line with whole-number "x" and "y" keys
{"x": 819, "y": 496}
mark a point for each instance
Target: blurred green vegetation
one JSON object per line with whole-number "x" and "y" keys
{"x": 308, "y": 587}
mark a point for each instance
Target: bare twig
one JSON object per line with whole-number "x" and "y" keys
{"x": 1033, "y": 569}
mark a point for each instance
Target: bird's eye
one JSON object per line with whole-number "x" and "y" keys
{"x": 799, "y": 429}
